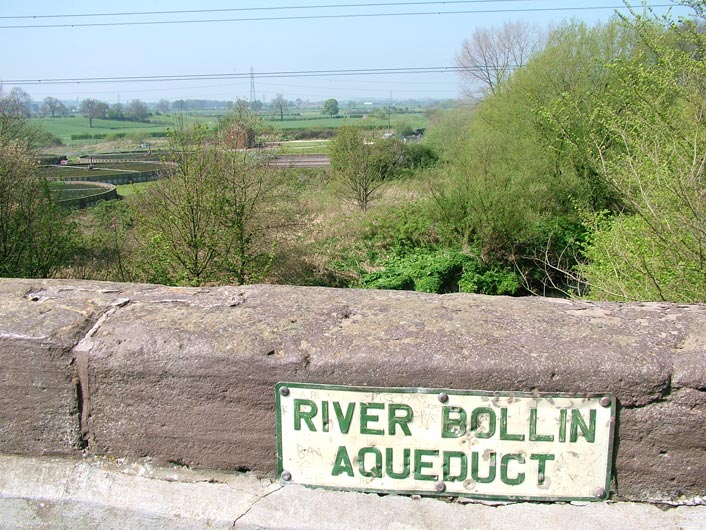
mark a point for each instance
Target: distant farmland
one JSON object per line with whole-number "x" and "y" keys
{"x": 74, "y": 130}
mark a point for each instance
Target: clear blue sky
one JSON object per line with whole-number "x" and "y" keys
{"x": 410, "y": 41}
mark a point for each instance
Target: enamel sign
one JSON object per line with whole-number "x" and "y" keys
{"x": 502, "y": 446}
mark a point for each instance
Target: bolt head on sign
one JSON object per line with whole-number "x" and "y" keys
{"x": 486, "y": 445}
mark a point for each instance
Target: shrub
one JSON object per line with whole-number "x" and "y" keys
{"x": 420, "y": 156}
{"x": 47, "y": 139}
{"x": 494, "y": 281}
{"x": 440, "y": 271}
{"x": 115, "y": 136}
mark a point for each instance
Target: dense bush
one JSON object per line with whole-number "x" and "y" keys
{"x": 440, "y": 271}
{"x": 520, "y": 172}
{"x": 419, "y": 156}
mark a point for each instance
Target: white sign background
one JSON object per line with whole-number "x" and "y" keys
{"x": 521, "y": 449}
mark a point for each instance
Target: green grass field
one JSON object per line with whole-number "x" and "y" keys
{"x": 313, "y": 120}
{"x": 64, "y": 128}
{"x": 137, "y": 132}
{"x": 125, "y": 190}
{"x": 305, "y": 147}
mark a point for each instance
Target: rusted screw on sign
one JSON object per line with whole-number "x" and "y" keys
{"x": 440, "y": 487}
{"x": 605, "y": 401}
{"x": 443, "y": 397}
{"x": 600, "y": 493}
{"x": 284, "y": 391}
{"x": 286, "y": 476}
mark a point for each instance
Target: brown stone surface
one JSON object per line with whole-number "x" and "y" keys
{"x": 662, "y": 447}
{"x": 187, "y": 375}
{"x": 38, "y": 406}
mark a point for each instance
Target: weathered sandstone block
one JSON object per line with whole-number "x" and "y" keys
{"x": 38, "y": 380}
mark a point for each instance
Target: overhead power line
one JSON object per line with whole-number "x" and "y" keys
{"x": 333, "y": 16}
{"x": 261, "y": 8}
{"x": 244, "y": 75}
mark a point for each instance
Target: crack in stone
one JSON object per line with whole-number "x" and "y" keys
{"x": 86, "y": 343}
{"x": 235, "y": 523}
{"x": 80, "y": 358}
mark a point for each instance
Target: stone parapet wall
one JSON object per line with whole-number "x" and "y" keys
{"x": 187, "y": 375}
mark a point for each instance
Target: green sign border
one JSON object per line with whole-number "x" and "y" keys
{"x": 452, "y": 392}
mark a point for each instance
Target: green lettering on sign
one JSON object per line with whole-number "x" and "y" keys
{"x": 324, "y": 416}
{"x": 342, "y": 464}
{"x": 541, "y": 466}
{"x": 562, "y": 425}
{"x": 389, "y": 464}
{"x": 376, "y": 470}
{"x": 401, "y": 420}
{"x": 492, "y": 463}
{"x": 463, "y": 464}
{"x": 367, "y": 417}
{"x": 420, "y": 465}
{"x": 453, "y": 427}
{"x": 504, "y": 435}
{"x": 343, "y": 420}
{"x": 308, "y": 415}
{"x": 505, "y": 464}
{"x": 475, "y": 422}
{"x": 533, "y": 436}
{"x": 587, "y": 431}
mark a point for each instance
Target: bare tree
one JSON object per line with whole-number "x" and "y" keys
{"x": 92, "y": 108}
{"x": 279, "y": 104}
{"x": 164, "y": 106}
{"x": 137, "y": 110}
{"x": 14, "y": 122}
{"x": 16, "y": 104}
{"x": 491, "y": 54}
{"x": 53, "y": 106}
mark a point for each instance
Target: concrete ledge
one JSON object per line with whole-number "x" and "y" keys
{"x": 187, "y": 375}
{"x": 58, "y": 494}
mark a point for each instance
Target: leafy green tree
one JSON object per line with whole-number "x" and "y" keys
{"x": 440, "y": 271}
{"x": 248, "y": 191}
{"x": 520, "y": 170}
{"x": 207, "y": 219}
{"x": 650, "y": 148}
{"x": 108, "y": 247}
{"x": 240, "y": 127}
{"x": 361, "y": 167}
{"x": 13, "y": 125}
{"x": 330, "y": 107}
{"x": 36, "y": 236}
{"x": 448, "y": 132}
{"x": 403, "y": 127}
